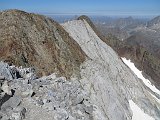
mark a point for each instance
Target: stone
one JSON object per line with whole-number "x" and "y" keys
{"x": 6, "y": 89}
{"x": 13, "y": 102}
{"x": 19, "y": 113}
{"x": 2, "y": 77}
{"x": 5, "y": 71}
{"x": 26, "y": 93}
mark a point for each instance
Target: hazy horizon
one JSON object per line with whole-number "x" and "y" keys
{"x": 87, "y": 7}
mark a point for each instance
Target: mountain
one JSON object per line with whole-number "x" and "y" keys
{"x": 155, "y": 22}
{"x": 144, "y": 53}
{"x": 123, "y": 22}
{"x": 28, "y": 40}
{"x": 142, "y": 46}
{"x": 119, "y": 27}
{"x": 106, "y": 88}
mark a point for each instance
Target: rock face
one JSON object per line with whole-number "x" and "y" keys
{"x": 107, "y": 80}
{"x": 31, "y": 40}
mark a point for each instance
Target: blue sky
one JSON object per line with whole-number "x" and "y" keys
{"x": 99, "y": 7}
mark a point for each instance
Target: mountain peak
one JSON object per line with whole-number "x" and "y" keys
{"x": 154, "y": 21}
{"x": 87, "y": 19}
{"x": 84, "y": 17}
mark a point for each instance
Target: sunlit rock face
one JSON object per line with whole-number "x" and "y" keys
{"x": 108, "y": 81}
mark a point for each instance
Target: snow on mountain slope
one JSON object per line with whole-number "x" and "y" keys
{"x": 108, "y": 81}
{"x": 138, "y": 114}
{"x": 140, "y": 76}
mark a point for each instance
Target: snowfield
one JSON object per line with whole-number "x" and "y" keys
{"x": 138, "y": 114}
{"x": 140, "y": 76}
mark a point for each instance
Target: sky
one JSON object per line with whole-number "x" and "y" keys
{"x": 96, "y": 7}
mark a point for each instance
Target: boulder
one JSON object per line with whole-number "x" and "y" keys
{"x": 5, "y": 71}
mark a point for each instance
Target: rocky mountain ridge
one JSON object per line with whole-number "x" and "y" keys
{"x": 28, "y": 40}
{"x": 105, "y": 65}
{"x": 104, "y": 91}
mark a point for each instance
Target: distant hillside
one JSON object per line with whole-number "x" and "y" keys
{"x": 120, "y": 27}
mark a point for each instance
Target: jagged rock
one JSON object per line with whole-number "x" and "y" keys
{"x": 10, "y": 109}
{"x": 5, "y": 71}
{"x": 6, "y": 89}
{"x": 51, "y": 93}
{"x": 13, "y": 102}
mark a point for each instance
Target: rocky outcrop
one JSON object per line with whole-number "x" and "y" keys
{"x": 32, "y": 40}
{"x": 36, "y": 98}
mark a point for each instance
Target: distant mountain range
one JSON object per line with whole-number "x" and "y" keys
{"x": 120, "y": 27}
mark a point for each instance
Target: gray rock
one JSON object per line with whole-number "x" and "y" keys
{"x": 19, "y": 113}
{"x": 5, "y": 71}
{"x": 13, "y": 102}
{"x": 40, "y": 102}
{"x": 2, "y": 77}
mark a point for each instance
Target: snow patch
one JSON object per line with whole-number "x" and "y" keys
{"x": 140, "y": 76}
{"x": 138, "y": 114}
